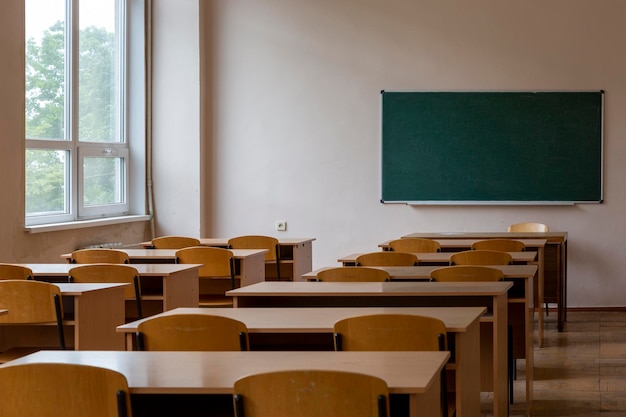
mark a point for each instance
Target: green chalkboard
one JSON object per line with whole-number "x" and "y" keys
{"x": 492, "y": 147}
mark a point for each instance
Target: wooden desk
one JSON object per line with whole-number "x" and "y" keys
{"x": 443, "y": 258}
{"x": 296, "y": 255}
{"x": 492, "y": 295}
{"x": 162, "y": 373}
{"x": 92, "y": 313}
{"x": 458, "y": 241}
{"x": 294, "y": 325}
{"x": 249, "y": 263}
{"x": 554, "y": 260}
{"x": 164, "y": 286}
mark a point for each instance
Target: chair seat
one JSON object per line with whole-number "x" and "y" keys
{"x": 17, "y": 352}
{"x": 215, "y": 301}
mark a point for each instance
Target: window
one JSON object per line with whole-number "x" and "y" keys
{"x": 78, "y": 141}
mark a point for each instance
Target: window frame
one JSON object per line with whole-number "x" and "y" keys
{"x": 131, "y": 118}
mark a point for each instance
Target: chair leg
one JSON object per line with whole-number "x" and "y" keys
{"x": 511, "y": 361}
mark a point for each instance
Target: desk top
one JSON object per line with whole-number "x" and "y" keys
{"x": 78, "y": 289}
{"x": 400, "y": 289}
{"x": 422, "y": 272}
{"x": 171, "y": 253}
{"x": 223, "y": 241}
{"x": 466, "y": 243}
{"x": 320, "y": 320}
{"x": 216, "y": 372}
{"x": 158, "y": 270}
{"x": 442, "y": 257}
{"x": 491, "y": 235}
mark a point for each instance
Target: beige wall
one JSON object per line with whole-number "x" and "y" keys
{"x": 294, "y": 86}
{"x": 16, "y": 245}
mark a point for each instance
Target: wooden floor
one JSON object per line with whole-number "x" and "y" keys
{"x": 579, "y": 372}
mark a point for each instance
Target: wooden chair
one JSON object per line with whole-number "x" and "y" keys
{"x": 99, "y": 256}
{"x": 481, "y": 257}
{"x": 217, "y": 273}
{"x": 174, "y": 242}
{"x": 395, "y": 332}
{"x": 528, "y": 227}
{"x": 466, "y": 273}
{"x": 414, "y": 245}
{"x": 63, "y": 389}
{"x": 386, "y": 258}
{"x": 9, "y": 271}
{"x": 192, "y": 332}
{"x": 272, "y": 257}
{"x": 30, "y": 302}
{"x": 290, "y": 393}
{"x": 353, "y": 274}
{"x": 502, "y": 245}
{"x": 112, "y": 273}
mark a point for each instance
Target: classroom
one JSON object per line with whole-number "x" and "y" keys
{"x": 270, "y": 111}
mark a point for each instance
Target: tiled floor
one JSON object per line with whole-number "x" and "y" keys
{"x": 579, "y": 372}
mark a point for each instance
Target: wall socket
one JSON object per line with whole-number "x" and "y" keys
{"x": 281, "y": 225}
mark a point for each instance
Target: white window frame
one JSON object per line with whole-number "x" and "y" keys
{"x": 132, "y": 130}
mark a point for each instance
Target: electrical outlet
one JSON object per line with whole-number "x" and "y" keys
{"x": 281, "y": 225}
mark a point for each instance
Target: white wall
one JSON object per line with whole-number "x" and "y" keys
{"x": 176, "y": 117}
{"x": 295, "y": 89}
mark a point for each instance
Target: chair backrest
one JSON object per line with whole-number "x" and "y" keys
{"x": 394, "y": 332}
{"x": 111, "y": 273}
{"x": 259, "y": 242}
{"x": 62, "y": 389}
{"x": 174, "y": 242}
{"x": 503, "y": 245}
{"x": 390, "y": 332}
{"x": 528, "y": 227}
{"x": 192, "y": 332}
{"x": 32, "y": 302}
{"x": 311, "y": 393}
{"x": 99, "y": 256}
{"x": 9, "y": 271}
{"x": 466, "y": 273}
{"x": 481, "y": 257}
{"x": 387, "y": 258}
{"x": 353, "y": 274}
{"x": 415, "y": 245}
{"x": 216, "y": 262}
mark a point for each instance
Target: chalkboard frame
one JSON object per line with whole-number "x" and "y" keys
{"x": 412, "y": 151}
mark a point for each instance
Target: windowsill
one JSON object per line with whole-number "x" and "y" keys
{"x": 81, "y": 224}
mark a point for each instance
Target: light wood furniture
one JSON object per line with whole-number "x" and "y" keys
{"x": 164, "y": 286}
{"x": 91, "y": 314}
{"x": 216, "y": 275}
{"x": 296, "y": 255}
{"x": 174, "y": 242}
{"x": 272, "y": 256}
{"x": 13, "y": 271}
{"x": 192, "y": 332}
{"x": 98, "y": 255}
{"x": 3, "y": 311}
{"x": 404, "y": 294}
{"x": 249, "y": 263}
{"x": 413, "y": 373}
{"x": 30, "y": 303}
{"x": 311, "y": 328}
{"x": 551, "y": 257}
{"x": 466, "y": 273}
{"x": 481, "y": 257}
{"x": 441, "y": 258}
{"x": 352, "y": 274}
{"x": 386, "y": 259}
{"x": 414, "y": 245}
{"x": 60, "y": 389}
{"x": 107, "y": 273}
{"x": 504, "y": 245}
{"x": 395, "y": 332}
{"x": 289, "y": 393}
{"x": 528, "y": 227}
